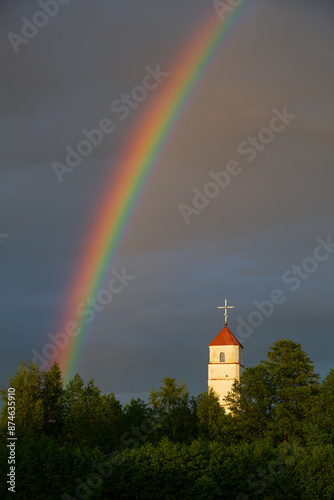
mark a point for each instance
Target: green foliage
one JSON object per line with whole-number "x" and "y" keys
{"x": 273, "y": 398}
{"x": 278, "y": 441}
{"x": 319, "y": 424}
{"x": 293, "y": 385}
{"x": 170, "y": 407}
{"x": 46, "y": 470}
{"x": 135, "y": 413}
{"x": 52, "y": 396}
{"x": 91, "y": 418}
{"x": 27, "y": 383}
{"x": 251, "y": 401}
{"x": 211, "y": 416}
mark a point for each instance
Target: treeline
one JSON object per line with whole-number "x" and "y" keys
{"x": 75, "y": 442}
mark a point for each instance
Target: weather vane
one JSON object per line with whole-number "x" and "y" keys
{"x": 225, "y": 307}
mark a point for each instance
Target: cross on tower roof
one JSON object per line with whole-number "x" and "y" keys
{"x": 225, "y": 307}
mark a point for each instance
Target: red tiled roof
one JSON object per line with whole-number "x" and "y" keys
{"x": 225, "y": 337}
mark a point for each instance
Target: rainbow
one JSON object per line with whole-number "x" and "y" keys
{"x": 105, "y": 231}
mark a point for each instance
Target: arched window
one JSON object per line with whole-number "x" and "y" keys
{"x": 222, "y": 357}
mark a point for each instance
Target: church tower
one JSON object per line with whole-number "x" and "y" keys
{"x": 225, "y": 361}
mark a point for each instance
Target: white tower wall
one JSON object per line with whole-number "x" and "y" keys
{"x": 223, "y": 370}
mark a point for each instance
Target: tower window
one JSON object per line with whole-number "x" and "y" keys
{"x": 222, "y": 357}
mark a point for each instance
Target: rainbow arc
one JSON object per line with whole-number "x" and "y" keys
{"x": 110, "y": 221}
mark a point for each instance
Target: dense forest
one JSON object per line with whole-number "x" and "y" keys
{"x": 77, "y": 443}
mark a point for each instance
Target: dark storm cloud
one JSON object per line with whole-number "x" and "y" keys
{"x": 265, "y": 221}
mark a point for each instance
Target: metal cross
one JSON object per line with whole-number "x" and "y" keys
{"x": 225, "y": 307}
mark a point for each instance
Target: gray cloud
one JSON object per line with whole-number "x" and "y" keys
{"x": 266, "y": 220}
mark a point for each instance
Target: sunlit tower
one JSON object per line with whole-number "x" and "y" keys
{"x": 225, "y": 361}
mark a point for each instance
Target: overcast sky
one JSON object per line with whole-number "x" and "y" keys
{"x": 275, "y": 213}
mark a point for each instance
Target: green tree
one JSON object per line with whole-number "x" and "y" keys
{"x": 139, "y": 424}
{"x": 319, "y": 425}
{"x": 210, "y": 415}
{"x": 29, "y": 414}
{"x": 293, "y": 384}
{"x": 110, "y": 424}
{"x": 272, "y": 399}
{"x": 170, "y": 409}
{"x": 135, "y": 412}
{"x": 79, "y": 405}
{"x": 52, "y": 395}
{"x": 251, "y": 401}
{"x": 90, "y": 418}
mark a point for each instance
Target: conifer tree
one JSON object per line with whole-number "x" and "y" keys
{"x": 319, "y": 424}
{"x": 52, "y": 395}
{"x": 210, "y": 415}
{"x": 251, "y": 401}
{"x": 293, "y": 382}
{"x": 170, "y": 408}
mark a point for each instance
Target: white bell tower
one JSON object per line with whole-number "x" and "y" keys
{"x": 225, "y": 361}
